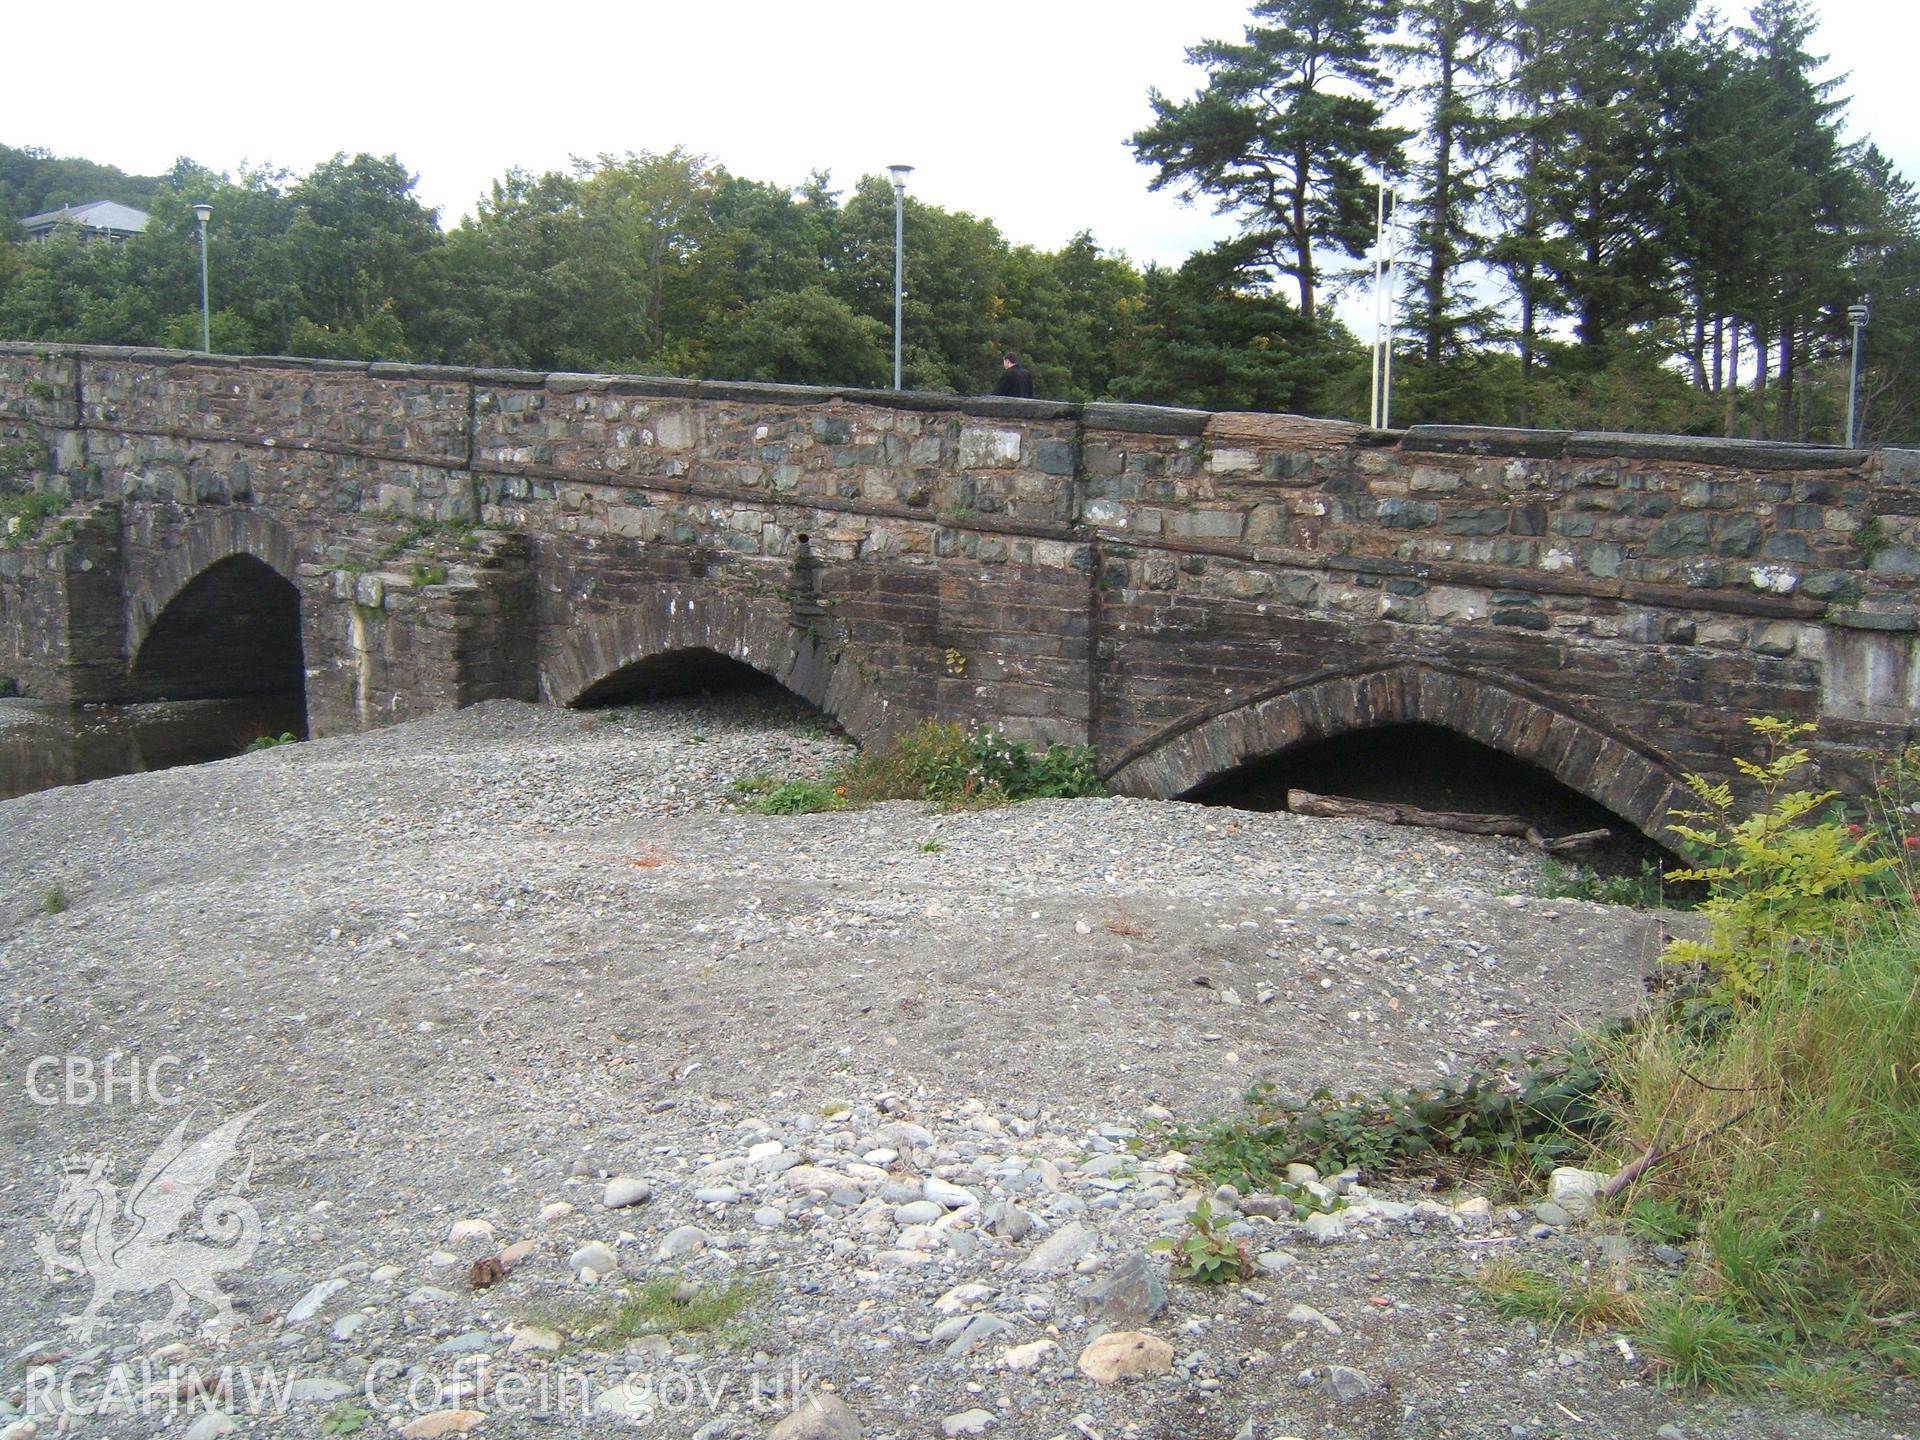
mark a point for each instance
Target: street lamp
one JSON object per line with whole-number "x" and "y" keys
{"x": 1858, "y": 315}
{"x": 200, "y": 213}
{"x": 899, "y": 173}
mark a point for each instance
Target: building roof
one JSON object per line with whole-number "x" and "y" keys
{"x": 94, "y": 215}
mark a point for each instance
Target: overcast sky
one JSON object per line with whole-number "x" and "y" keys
{"x": 1017, "y": 112}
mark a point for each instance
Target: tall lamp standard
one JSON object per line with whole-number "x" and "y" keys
{"x": 1858, "y": 314}
{"x": 899, "y": 173}
{"x": 200, "y": 213}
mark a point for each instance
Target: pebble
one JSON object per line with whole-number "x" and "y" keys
{"x": 1125, "y": 1355}
{"x": 214, "y": 1422}
{"x": 309, "y": 1304}
{"x": 623, "y": 1191}
{"x": 595, "y": 1256}
{"x": 1059, "y": 1250}
{"x": 818, "y": 1417}
{"x": 441, "y": 1422}
{"x": 967, "y": 1422}
{"x": 1347, "y": 1385}
{"x": 682, "y": 1241}
{"x": 1132, "y": 1294}
{"x": 809, "y": 1195}
{"x": 1325, "y": 1229}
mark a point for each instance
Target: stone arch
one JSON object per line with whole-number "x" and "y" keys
{"x": 194, "y": 549}
{"x": 1581, "y": 754}
{"x": 758, "y": 633}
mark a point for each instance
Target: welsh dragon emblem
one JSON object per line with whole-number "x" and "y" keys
{"x": 141, "y": 1250}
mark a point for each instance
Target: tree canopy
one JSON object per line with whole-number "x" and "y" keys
{"x": 1624, "y": 213}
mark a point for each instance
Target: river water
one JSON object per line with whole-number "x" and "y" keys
{"x": 43, "y": 744}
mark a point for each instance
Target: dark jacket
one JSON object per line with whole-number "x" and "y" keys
{"x": 1015, "y": 380}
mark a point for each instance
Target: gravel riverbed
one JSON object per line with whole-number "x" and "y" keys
{"x": 889, "y": 1070}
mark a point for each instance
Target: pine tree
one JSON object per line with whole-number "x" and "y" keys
{"x": 1284, "y": 131}
{"x": 1458, "y": 49}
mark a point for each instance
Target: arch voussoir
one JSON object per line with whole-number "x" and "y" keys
{"x": 754, "y": 632}
{"x": 1577, "y": 751}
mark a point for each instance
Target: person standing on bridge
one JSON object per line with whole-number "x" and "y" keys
{"x": 1015, "y": 378}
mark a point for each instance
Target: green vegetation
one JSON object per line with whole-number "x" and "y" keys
{"x": 663, "y": 1305}
{"x": 1584, "y": 1299}
{"x": 1529, "y": 1116}
{"x": 1778, "y": 882}
{"x": 1764, "y": 1112}
{"x": 345, "y": 1418}
{"x": 1870, "y": 537}
{"x": 271, "y": 742}
{"x": 1643, "y": 891}
{"x": 23, "y": 516}
{"x": 1206, "y": 1254}
{"x": 946, "y": 765}
{"x": 55, "y": 901}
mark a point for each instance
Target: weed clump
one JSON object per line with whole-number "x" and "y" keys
{"x": 24, "y": 516}
{"x": 664, "y": 1305}
{"x": 945, "y": 765}
{"x": 1643, "y": 891}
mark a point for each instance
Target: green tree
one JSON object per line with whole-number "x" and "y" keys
{"x": 1284, "y": 131}
{"x": 516, "y": 292}
{"x": 1215, "y": 336}
{"x": 953, "y": 272}
{"x": 1599, "y": 85}
{"x": 802, "y": 337}
{"x": 1457, "y": 51}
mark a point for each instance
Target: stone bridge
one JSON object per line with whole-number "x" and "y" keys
{"x": 1191, "y": 592}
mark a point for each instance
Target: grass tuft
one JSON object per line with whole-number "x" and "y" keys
{"x": 1583, "y": 1301}
{"x": 664, "y": 1305}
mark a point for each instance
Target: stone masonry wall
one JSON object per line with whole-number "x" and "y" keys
{"x": 1133, "y": 575}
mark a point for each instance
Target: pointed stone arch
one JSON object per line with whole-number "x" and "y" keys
{"x": 1610, "y": 769}
{"x": 191, "y": 550}
{"x": 755, "y": 631}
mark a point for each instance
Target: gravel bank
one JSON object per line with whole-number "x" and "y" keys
{"x": 471, "y": 967}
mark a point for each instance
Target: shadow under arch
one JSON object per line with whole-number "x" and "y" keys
{"x": 196, "y": 548}
{"x": 216, "y": 614}
{"x": 1608, "y": 769}
{"x": 665, "y": 640}
{"x": 231, "y": 631}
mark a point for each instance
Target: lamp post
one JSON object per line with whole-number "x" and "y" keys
{"x": 200, "y": 213}
{"x": 899, "y": 173}
{"x": 1858, "y": 314}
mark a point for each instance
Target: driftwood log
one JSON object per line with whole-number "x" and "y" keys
{"x": 1305, "y": 802}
